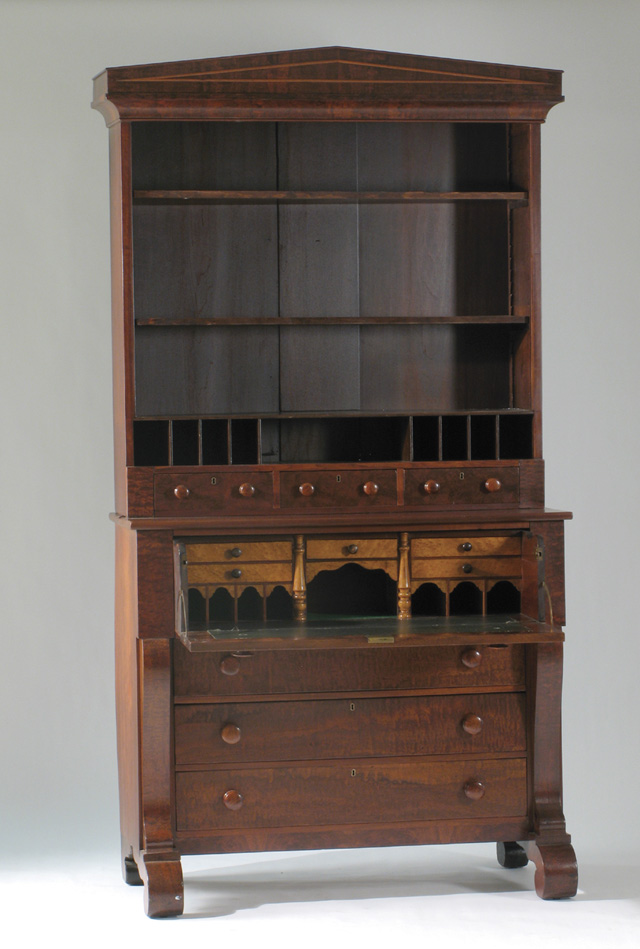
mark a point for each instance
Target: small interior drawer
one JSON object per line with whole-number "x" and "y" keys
{"x": 245, "y": 573}
{"x": 237, "y": 550}
{"x": 351, "y": 548}
{"x": 463, "y": 568}
{"x": 465, "y": 546}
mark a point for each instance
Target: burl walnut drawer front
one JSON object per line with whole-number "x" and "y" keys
{"x": 306, "y": 490}
{"x": 247, "y": 573}
{"x": 350, "y": 792}
{"x": 466, "y": 568}
{"x": 349, "y": 728}
{"x": 200, "y": 493}
{"x": 237, "y": 550}
{"x": 348, "y": 670}
{"x": 351, "y": 548}
{"x": 465, "y": 546}
{"x": 472, "y": 486}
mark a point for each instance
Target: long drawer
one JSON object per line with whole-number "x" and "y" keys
{"x": 396, "y": 668}
{"x": 350, "y": 792}
{"x": 341, "y": 728}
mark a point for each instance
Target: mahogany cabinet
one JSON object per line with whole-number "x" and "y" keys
{"x": 340, "y": 598}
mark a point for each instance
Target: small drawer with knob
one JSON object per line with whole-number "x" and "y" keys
{"x": 464, "y": 568}
{"x": 338, "y": 488}
{"x": 349, "y": 727}
{"x": 468, "y": 547}
{"x": 351, "y": 548}
{"x": 345, "y": 792}
{"x": 201, "y": 573}
{"x": 192, "y": 494}
{"x": 470, "y": 486}
{"x": 237, "y": 551}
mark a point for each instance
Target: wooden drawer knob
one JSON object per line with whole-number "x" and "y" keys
{"x": 246, "y": 490}
{"x": 230, "y": 666}
{"x": 306, "y": 489}
{"x": 492, "y": 485}
{"x": 471, "y": 658}
{"x": 370, "y": 488}
{"x": 233, "y": 800}
{"x": 181, "y": 492}
{"x": 236, "y": 552}
{"x": 352, "y": 549}
{"x": 467, "y": 568}
{"x": 236, "y": 573}
{"x": 467, "y": 546}
{"x": 231, "y": 734}
{"x": 472, "y": 724}
{"x": 431, "y": 487}
{"x": 473, "y": 789}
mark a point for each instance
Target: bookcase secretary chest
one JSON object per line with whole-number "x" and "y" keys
{"x": 340, "y": 597}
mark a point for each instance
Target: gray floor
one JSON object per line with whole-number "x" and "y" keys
{"x": 443, "y": 894}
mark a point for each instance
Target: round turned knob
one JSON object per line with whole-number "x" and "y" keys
{"x": 467, "y": 546}
{"x": 352, "y": 549}
{"x": 236, "y": 552}
{"x": 233, "y": 800}
{"x": 230, "y": 666}
{"x": 473, "y": 789}
{"x": 306, "y": 489}
{"x": 471, "y": 658}
{"x": 431, "y": 487}
{"x": 181, "y": 492}
{"x": 236, "y": 573}
{"x": 471, "y": 724}
{"x": 246, "y": 490}
{"x": 466, "y": 568}
{"x": 370, "y": 488}
{"x": 492, "y": 485}
{"x": 231, "y": 734}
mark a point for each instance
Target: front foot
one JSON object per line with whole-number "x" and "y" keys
{"x": 556, "y": 876}
{"x": 511, "y": 855}
{"x": 163, "y": 888}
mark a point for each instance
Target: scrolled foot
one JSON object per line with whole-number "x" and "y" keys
{"x": 163, "y": 888}
{"x": 511, "y": 855}
{"x": 556, "y": 876}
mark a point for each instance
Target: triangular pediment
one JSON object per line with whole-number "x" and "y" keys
{"x": 366, "y": 77}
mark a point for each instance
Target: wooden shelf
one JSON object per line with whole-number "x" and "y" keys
{"x": 332, "y": 197}
{"x": 521, "y": 319}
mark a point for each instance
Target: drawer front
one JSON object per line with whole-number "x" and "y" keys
{"x": 466, "y": 569}
{"x": 351, "y": 548}
{"x": 199, "y": 494}
{"x": 350, "y": 792}
{"x": 393, "y": 668}
{"x": 199, "y": 573}
{"x": 307, "y": 490}
{"x": 474, "y": 488}
{"x": 349, "y": 728}
{"x": 237, "y": 550}
{"x": 465, "y": 546}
